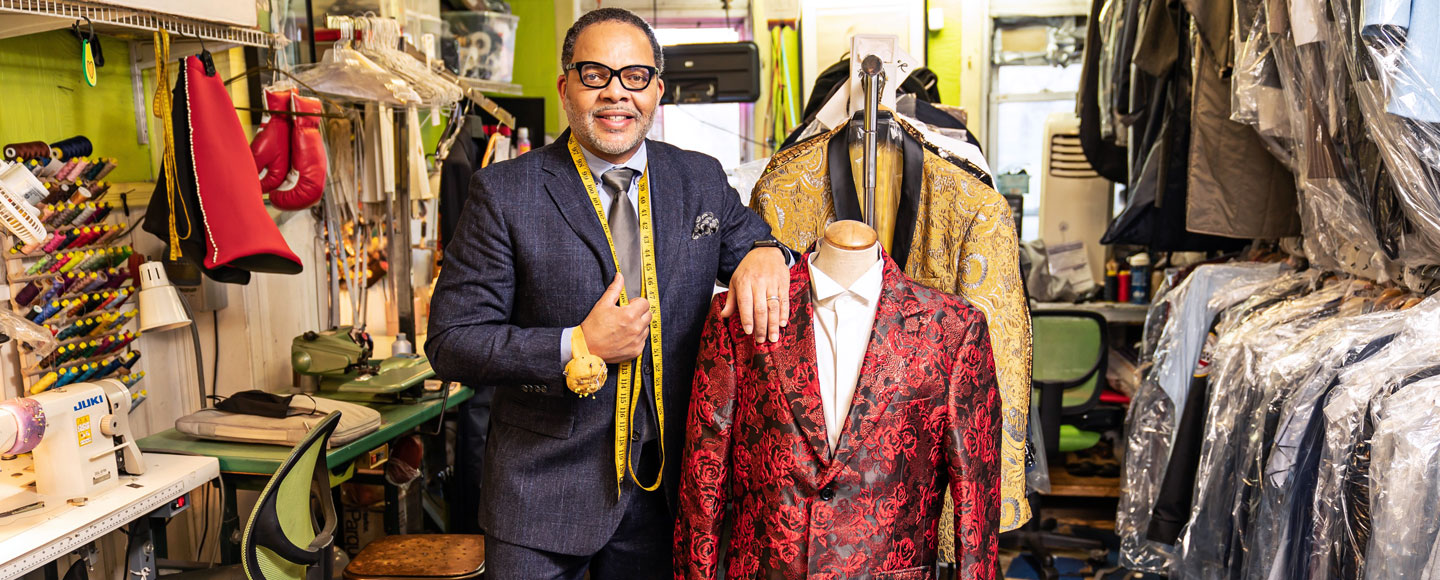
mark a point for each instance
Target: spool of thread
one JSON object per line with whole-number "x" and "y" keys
{"x": 96, "y": 166}
{"x": 44, "y": 383}
{"x": 77, "y": 146}
{"x": 50, "y": 166}
{"x": 130, "y": 359}
{"x": 27, "y": 149}
{"x": 28, "y": 293}
{"x": 82, "y": 194}
{"x": 100, "y": 188}
{"x": 132, "y": 378}
{"x": 110, "y": 165}
{"x": 83, "y": 217}
{"x": 81, "y": 165}
{"x": 103, "y": 211}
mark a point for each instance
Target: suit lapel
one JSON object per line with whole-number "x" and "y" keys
{"x": 568, "y": 193}
{"x": 799, "y": 379}
{"x": 667, "y": 208}
{"x": 884, "y": 369}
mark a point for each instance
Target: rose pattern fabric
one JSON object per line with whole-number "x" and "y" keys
{"x": 925, "y": 415}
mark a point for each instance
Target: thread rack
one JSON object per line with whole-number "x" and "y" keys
{"x": 79, "y": 284}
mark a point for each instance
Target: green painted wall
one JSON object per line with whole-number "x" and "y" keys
{"x": 537, "y": 57}
{"x": 945, "y": 51}
{"x": 47, "y": 100}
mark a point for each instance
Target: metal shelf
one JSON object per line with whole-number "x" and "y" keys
{"x": 118, "y": 21}
{"x": 485, "y": 86}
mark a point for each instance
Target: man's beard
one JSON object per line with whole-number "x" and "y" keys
{"x": 604, "y": 141}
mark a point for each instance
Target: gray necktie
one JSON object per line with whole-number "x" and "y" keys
{"x": 625, "y": 228}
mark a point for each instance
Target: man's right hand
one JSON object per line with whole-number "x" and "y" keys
{"x": 614, "y": 333}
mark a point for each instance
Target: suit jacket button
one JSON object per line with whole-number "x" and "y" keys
{"x": 827, "y": 493}
{"x": 635, "y": 434}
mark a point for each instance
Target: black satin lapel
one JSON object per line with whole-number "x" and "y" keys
{"x": 909, "y": 210}
{"x": 842, "y": 184}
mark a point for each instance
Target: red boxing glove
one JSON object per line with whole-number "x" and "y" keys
{"x": 306, "y": 182}
{"x": 271, "y": 146}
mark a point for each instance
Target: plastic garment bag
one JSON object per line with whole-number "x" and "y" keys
{"x": 1174, "y": 334}
{"x": 1307, "y": 374}
{"x": 1404, "y": 469}
{"x": 1340, "y": 537}
{"x": 1213, "y": 545}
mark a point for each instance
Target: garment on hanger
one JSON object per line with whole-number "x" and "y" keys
{"x": 924, "y": 418}
{"x": 1175, "y": 334}
{"x": 1310, "y": 418}
{"x": 953, "y": 233}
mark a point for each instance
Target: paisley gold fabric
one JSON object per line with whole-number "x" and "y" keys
{"x": 964, "y": 244}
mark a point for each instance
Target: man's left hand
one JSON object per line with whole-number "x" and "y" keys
{"x": 760, "y": 289}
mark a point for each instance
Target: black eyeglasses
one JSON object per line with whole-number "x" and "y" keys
{"x": 635, "y": 77}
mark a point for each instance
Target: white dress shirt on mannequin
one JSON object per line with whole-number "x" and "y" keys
{"x": 843, "y": 320}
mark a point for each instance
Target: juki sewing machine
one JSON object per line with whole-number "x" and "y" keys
{"x": 79, "y": 439}
{"x": 336, "y": 363}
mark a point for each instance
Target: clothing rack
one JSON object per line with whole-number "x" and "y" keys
{"x": 872, "y": 81}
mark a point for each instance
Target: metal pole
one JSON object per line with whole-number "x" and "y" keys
{"x": 400, "y": 233}
{"x": 872, "y": 81}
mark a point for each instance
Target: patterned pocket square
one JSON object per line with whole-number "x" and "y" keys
{"x": 705, "y": 224}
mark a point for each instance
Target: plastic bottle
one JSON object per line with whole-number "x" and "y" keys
{"x": 401, "y": 345}
{"x": 1112, "y": 281}
{"x": 522, "y": 141}
{"x": 1140, "y": 278}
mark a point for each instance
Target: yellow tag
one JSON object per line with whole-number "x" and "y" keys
{"x": 89, "y": 65}
{"x": 630, "y": 380}
{"x": 82, "y": 430}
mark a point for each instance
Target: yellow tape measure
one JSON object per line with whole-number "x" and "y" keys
{"x": 629, "y": 380}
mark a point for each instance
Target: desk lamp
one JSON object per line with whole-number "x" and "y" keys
{"x": 162, "y": 309}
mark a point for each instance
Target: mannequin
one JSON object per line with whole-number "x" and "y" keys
{"x": 847, "y": 252}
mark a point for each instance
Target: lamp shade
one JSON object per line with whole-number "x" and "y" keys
{"x": 160, "y": 306}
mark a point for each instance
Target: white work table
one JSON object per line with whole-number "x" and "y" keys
{"x": 29, "y": 540}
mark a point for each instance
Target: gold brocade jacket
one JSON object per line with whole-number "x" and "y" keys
{"x": 963, "y": 243}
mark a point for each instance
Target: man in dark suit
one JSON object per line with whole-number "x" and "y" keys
{"x": 532, "y": 263}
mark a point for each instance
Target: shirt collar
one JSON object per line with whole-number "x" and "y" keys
{"x": 866, "y": 287}
{"x": 599, "y": 166}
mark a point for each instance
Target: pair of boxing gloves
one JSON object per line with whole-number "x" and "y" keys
{"x": 289, "y": 151}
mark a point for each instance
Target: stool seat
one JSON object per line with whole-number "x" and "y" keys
{"x": 420, "y": 557}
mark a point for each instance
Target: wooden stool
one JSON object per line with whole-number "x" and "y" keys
{"x": 420, "y": 557}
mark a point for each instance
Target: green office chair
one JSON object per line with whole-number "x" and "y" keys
{"x": 1070, "y": 354}
{"x": 1071, "y": 350}
{"x": 281, "y": 541}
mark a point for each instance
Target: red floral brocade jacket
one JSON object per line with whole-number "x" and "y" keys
{"x": 925, "y": 414}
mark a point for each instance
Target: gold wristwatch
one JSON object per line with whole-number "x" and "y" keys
{"x": 585, "y": 373}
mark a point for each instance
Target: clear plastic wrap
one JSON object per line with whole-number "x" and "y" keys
{"x": 1341, "y": 530}
{"x": 1392, "y": 51}
{"x": 1346, "y": 220}
{"x": 1304, "y": 375}
{"x": 1403, "y": 472}
{"x": 1174, "y": 334}
{"x": 1214, "y": 542}
{"x": 30, "y": 336}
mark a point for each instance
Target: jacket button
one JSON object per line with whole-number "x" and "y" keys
{"x": 827, "y": 493}
{"x": 635, "y": 435}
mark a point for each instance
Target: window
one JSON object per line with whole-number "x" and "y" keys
{"x": 713, "y": 129}
{"x": 1036, "y": 72}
